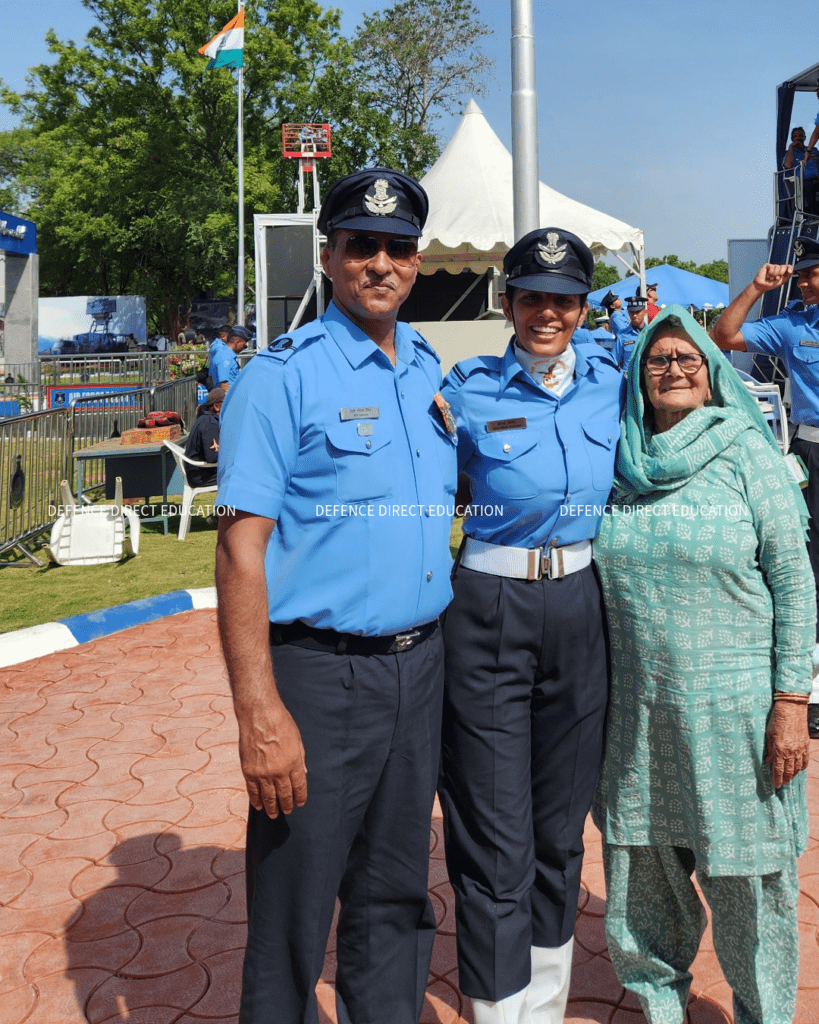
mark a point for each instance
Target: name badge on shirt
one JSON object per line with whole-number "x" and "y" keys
{"x": 362, "y": 412}
{"x": 365, "y": 429}
{"x": 516, "y": 424}
{"x": 809, "y": 344}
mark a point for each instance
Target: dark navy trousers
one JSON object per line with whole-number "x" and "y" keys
{"x": 524, "y": 707}
{"x": 371, "y": 731}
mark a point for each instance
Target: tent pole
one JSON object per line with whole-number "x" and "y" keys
{"x": 525, "y": 176}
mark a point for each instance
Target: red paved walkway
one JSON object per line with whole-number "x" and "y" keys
{"x": 121, "y": 830}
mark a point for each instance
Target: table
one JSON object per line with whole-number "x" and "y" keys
{"x": 145, "y": 469}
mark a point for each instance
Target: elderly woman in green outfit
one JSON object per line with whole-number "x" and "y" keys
{"x": 711, "y": 614}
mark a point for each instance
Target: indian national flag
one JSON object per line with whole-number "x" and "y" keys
{"x": 226, "y": 49}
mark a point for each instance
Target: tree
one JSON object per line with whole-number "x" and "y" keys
{"x": 604, "y": 276}
{"x": 716, "y": 269}
{"x": 422, "y": 56}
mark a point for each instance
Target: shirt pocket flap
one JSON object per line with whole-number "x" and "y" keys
{"x": 807, "y": 353}
{"x": 346, "y": 438}
{"x": 601, "y": 433}
{"x": 507, "y": 445}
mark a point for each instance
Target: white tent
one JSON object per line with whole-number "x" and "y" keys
{"x": 470, "y": 224}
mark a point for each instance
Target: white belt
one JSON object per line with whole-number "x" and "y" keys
{"x": 807, "y": 433}
{"x": 526, "y": 563}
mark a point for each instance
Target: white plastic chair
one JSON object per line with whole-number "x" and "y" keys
{"x": 94, "y": 534}
{"x": 189, "y": 492}
{"x": 770, "y": 405}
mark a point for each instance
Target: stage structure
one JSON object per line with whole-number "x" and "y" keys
{"x": 19, "y": 291}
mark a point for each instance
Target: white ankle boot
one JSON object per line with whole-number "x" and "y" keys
{"x": 509, "y": 1010}
{"x": 549, "y": 987}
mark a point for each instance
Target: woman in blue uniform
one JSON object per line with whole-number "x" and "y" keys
{"x": 526, "y": 674}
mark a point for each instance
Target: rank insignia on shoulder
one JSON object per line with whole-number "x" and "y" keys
{"x": 280, "y": 344}
{"x": 516, "y": 424}
{"x": 445, "y": 409}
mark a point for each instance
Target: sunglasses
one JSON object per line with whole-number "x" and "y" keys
{"x": 364, "y": 247}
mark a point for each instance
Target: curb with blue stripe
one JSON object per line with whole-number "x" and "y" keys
{"x": 37, "y": 641}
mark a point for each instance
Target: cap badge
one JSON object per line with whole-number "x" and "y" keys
{"x": 798, "y": 248}
{"x": 381, "y": 203}
{"x": 552, "y": 252}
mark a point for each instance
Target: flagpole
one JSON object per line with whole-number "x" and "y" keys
{"x": 240, "y": 311}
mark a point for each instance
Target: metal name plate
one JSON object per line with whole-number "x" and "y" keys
{"x": 363, "y": 412}
{"x": 365, "y": 429}
{"x": 517, "y": 424}
{"x": 809, "y": 344}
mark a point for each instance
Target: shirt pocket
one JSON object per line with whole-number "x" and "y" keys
{"x": 362, "y": 462}
{"x": 511, "y": 463}
{"x": 600, "y": 439}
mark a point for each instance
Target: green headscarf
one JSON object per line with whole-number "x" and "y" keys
{"x": 657, "y": 462}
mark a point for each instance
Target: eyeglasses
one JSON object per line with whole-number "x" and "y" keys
{"x": 364, "y": 247}
{"x": 688, "y": 362}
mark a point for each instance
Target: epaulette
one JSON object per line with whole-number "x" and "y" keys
{"x": 286, "y": 345}
{"x": 460, "y": 371}
{"x": 598, "y": 353}
{"x": 422, "y": 342}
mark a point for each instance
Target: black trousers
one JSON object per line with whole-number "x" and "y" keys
{"x": 371, "y": 731}
{"x": 525, "y": 700}
{"x": 808, "y": 452}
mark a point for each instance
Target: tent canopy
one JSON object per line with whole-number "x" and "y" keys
{"x": 673, "y": 285}
{"x": 471, "y": 223}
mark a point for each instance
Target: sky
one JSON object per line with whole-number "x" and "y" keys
{"x": 657, "y": 112}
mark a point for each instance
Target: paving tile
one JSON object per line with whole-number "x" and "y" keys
{"x": 210, "y": 808}
{"x": 96, "y": 877}
{"x": 14, "y": 951}
{"x": 442, "y": 1004}
{"x": 235, "y": 909}
{"x": 229, "y": 862}
{"x": 85, "y": 818}
{"x": 178, "y": 740}
{"x": 13, "y": 883}
{"x": 193, "y": 761}
{"x": 49, "y": 884}
{"x": 585, "y": 1012}
{"x": 38, "y": 798}
{"x": 222, "y": 997}
{"x": 141, "y": 746}
{"x": 228, "y": 834}
{"x": 227, "y": 732}
{"x": 163, "y": 947}
{"x": 190, "y": 867}
{"x": 57, "y": 955}
{"x": 705, "y": 1011}
{"x": 39, "y": 824}
{"x": 151, "y": 906}
{"x": 590, "y": 933}
{"x": 153, "y": 815}
{"x": 122, "y": 996}
{"x": 595, "y": 980}
{"x": 103, "y": 914}
{"x": 38, "y": 774}
{"x": 64, "y": 997}
{"x": 18, "y": 1004}
{"x": 70, "y": 752}
{"x": 212, "y": 937}
{"x": 162, "y": 786}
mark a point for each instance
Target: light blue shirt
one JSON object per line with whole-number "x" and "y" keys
{"x": 541, "y": 466}
{"x": 352, "y": 458}
{"x": 224, "y": 366}
{"x": 793, "y": 336}
{"x": 619, "y": 321}
{"x": 624, "y": 345}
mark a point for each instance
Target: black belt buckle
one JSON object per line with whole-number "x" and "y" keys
{"x": 404, "y": 641}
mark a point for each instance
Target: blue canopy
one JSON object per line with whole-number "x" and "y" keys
{"x": 673, "y": 285}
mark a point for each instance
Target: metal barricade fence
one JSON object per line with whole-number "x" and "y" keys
{"x": 36, "y": 451}
{"x": 35, "y": 455}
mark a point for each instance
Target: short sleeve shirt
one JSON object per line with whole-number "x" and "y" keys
{"x": 352, "y": 457}
{"x": 224, "y": 366}
{"x": 793, "y": 337}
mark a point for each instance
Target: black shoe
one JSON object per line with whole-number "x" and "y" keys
{"x": 813, "y": 720}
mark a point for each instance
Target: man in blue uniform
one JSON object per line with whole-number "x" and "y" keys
{"x": 337, "y": 453}
{"x": 617, "y": 315}
{"x": 793, "y": 337}
{"x": 624, "y": 343}
{"x": 806, "y": 163}
{"x": 224, "y": 366}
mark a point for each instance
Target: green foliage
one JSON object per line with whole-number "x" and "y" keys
{"x": 421, "y": 56}
{"x": 716, "y": 269}
{"x": 126, "y": 152}
{"x": 604, "y": 276}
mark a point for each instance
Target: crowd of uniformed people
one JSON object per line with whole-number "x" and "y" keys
{"x": 629, "y": 627}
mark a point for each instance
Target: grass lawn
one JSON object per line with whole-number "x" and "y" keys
{"x": 30, "y": 596}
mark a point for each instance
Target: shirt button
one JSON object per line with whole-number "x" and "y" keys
{"x": 428, "y": 511}
{"x": 507, "y": 447}
{"x": 402, "y": 395}
{"x": 429, "y": 576}
{"x": 369, "y": 444}
{"x": 418, "y": 451}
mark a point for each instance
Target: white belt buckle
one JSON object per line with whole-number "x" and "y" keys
{"x": 554, "y": 564}
{"x": 403, "y": 641}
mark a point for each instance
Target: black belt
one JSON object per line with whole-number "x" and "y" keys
{"x": 301, "y": 635}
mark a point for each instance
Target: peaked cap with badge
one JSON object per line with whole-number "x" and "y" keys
{"x": 636, "y": 302}
{"x": 806, "y": 251}
{"x": 377, "y": 199}
{"x": 550, "y": 260}
{"x": 609, "y": 299}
